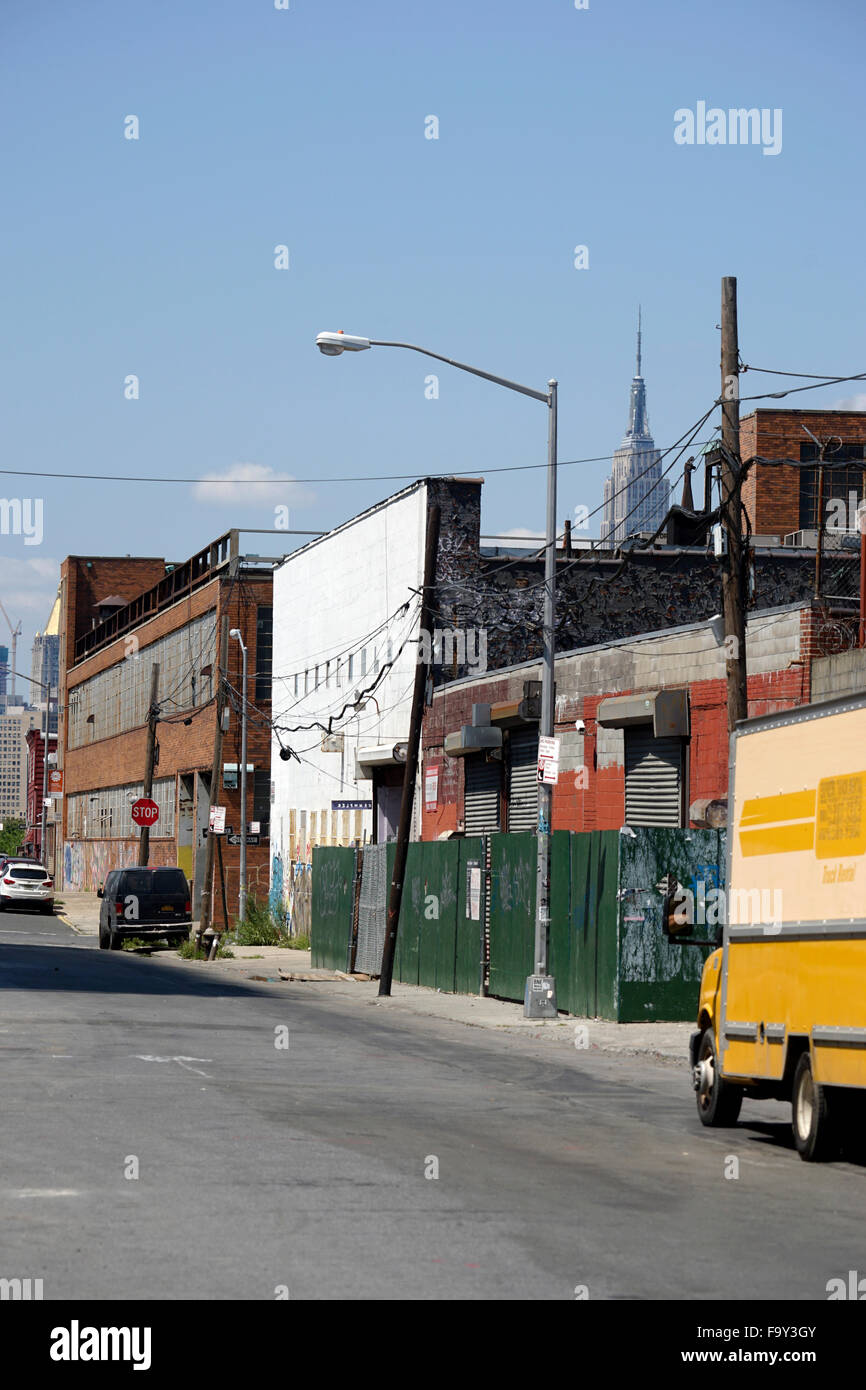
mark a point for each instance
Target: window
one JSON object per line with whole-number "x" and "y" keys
{"x": 264, "y": 651}
{"x": 262, "y": 800}
{"x": 843, "y": 487}
{"x": 351, "y": 666}
{"x": 296, "y": 687}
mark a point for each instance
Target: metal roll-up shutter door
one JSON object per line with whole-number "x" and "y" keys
{"x": 523, "y": 779}
{"x": 653, "y": 778}
{"x": 481, "y": 797}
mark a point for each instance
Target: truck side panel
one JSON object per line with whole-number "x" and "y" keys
{"x": 794, "y": 962}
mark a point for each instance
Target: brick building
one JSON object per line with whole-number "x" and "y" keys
{"x": 783, "y": 500}
{"x": 35, "y": 782}
{"x": 119, "y": 617}
{"x": 342, "y": 706}
{"x": 642, "y": 723}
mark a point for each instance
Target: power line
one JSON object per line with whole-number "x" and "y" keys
{"x": 270, "y": 482}
{"x": 826, "y": 378}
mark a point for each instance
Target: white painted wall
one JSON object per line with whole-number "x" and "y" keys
{"x": 327, "y": 598}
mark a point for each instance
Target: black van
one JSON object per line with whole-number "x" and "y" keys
{"x": 146, "y": 903}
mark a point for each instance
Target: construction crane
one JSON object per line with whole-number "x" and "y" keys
{"x": 16, "y": 633}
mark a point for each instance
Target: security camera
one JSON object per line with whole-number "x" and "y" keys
{"x": 579, "y": 726}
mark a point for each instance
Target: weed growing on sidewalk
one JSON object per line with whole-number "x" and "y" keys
{"x": 259, "y": 927}
{"x": 189, "y": 951}
{"x": 295, "y": 943}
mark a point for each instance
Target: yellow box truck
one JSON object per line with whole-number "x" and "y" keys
{"x": 782, "y": 1008}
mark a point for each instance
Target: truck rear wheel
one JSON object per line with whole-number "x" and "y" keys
{"x": 718, "y": 1101}
{"x": 816, "y": 1133}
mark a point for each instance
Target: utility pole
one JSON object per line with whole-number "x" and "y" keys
{"x": 152, "y": 718}
{"x": 411, "y": 771}
{"x": 215, "y": 778}
{"x": 733, "y": 575}
{"x": 540, "y": 996}
{"x": 242, "y": 890}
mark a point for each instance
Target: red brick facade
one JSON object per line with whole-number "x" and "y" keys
{"x": 592, "y": 796}
{"x": 184, "y": 750}
{"x": 772, "y": 494}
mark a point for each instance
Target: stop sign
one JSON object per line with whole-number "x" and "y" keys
{"x": 145, "y": 811}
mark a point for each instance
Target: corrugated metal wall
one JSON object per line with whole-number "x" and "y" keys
{"x": 523, "y": 779}
{"x": 653, "y": 779}
{"x": 482, "y": 796}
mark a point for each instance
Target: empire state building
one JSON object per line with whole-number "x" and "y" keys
{"x": 635, "y": 494}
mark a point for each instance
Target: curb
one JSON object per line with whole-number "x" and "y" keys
{"x": 79, "y": 931}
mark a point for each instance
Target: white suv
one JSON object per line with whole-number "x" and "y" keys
{"x": 26, "y": 883}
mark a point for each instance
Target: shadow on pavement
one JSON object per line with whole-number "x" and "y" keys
{"x": 780, "y": 1136}
{"x": 28, "y": 967}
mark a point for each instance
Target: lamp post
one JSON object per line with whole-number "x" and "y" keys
{"x": 242, "y": 891}
{"x": 540, "y": 997}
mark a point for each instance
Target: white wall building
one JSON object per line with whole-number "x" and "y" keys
{"x": 346, "y": 613}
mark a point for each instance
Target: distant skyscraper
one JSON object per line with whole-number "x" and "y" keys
{"x": 635, "y": 494}
{"x": 45, "y": 663}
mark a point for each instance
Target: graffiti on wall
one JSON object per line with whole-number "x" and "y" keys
{"x": 290, "y": 894}
{"x": 276, "y": 897}
{"x": 86, "y": 862}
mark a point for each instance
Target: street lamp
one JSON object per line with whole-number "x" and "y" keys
{"x": 540, "y": 997}
{"x": 242, "y": 891}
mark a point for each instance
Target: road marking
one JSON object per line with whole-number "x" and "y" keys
{"x": 45, "y": 1192}
{"x": 181, "y": 1061}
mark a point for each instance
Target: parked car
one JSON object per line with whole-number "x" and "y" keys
{"x": 23, "y": 882}
{"x": 151, "y": 902}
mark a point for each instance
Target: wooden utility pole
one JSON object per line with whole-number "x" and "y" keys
{"x": 733, "y": 575}
{"x": 152, "y": 718}
{"x": 206, "y": 913}
{"x": 425, "y": 645}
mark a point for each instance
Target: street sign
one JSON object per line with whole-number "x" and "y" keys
{"x": 217, "y": 819}
{"x": 55, "y": 781}
{"x": 548, "y": 760}
{"x": 145, "y": 811}
{"x": 236, "y": 839}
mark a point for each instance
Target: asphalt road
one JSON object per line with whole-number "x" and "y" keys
{"x": 261, "y": 1167}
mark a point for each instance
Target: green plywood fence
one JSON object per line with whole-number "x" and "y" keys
{"x": 439, "y": 941}
{"x": 512, "y": 913}
{"x": 608, "y": 954}
{"x": 583, "y": 929}
{"x": 656, "y": 979}
{"x": 332, "y": 907}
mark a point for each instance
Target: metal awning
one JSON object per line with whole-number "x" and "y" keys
{"x": 472, "y": 739}
{"x": 380, "y": 755}
{"x": 666, "y": 710}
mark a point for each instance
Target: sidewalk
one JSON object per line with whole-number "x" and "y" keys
{"x": 78, "y": 910}
{"x": 276, "y": 965}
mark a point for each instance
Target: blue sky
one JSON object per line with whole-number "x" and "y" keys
{"x": 305, "y": 127}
